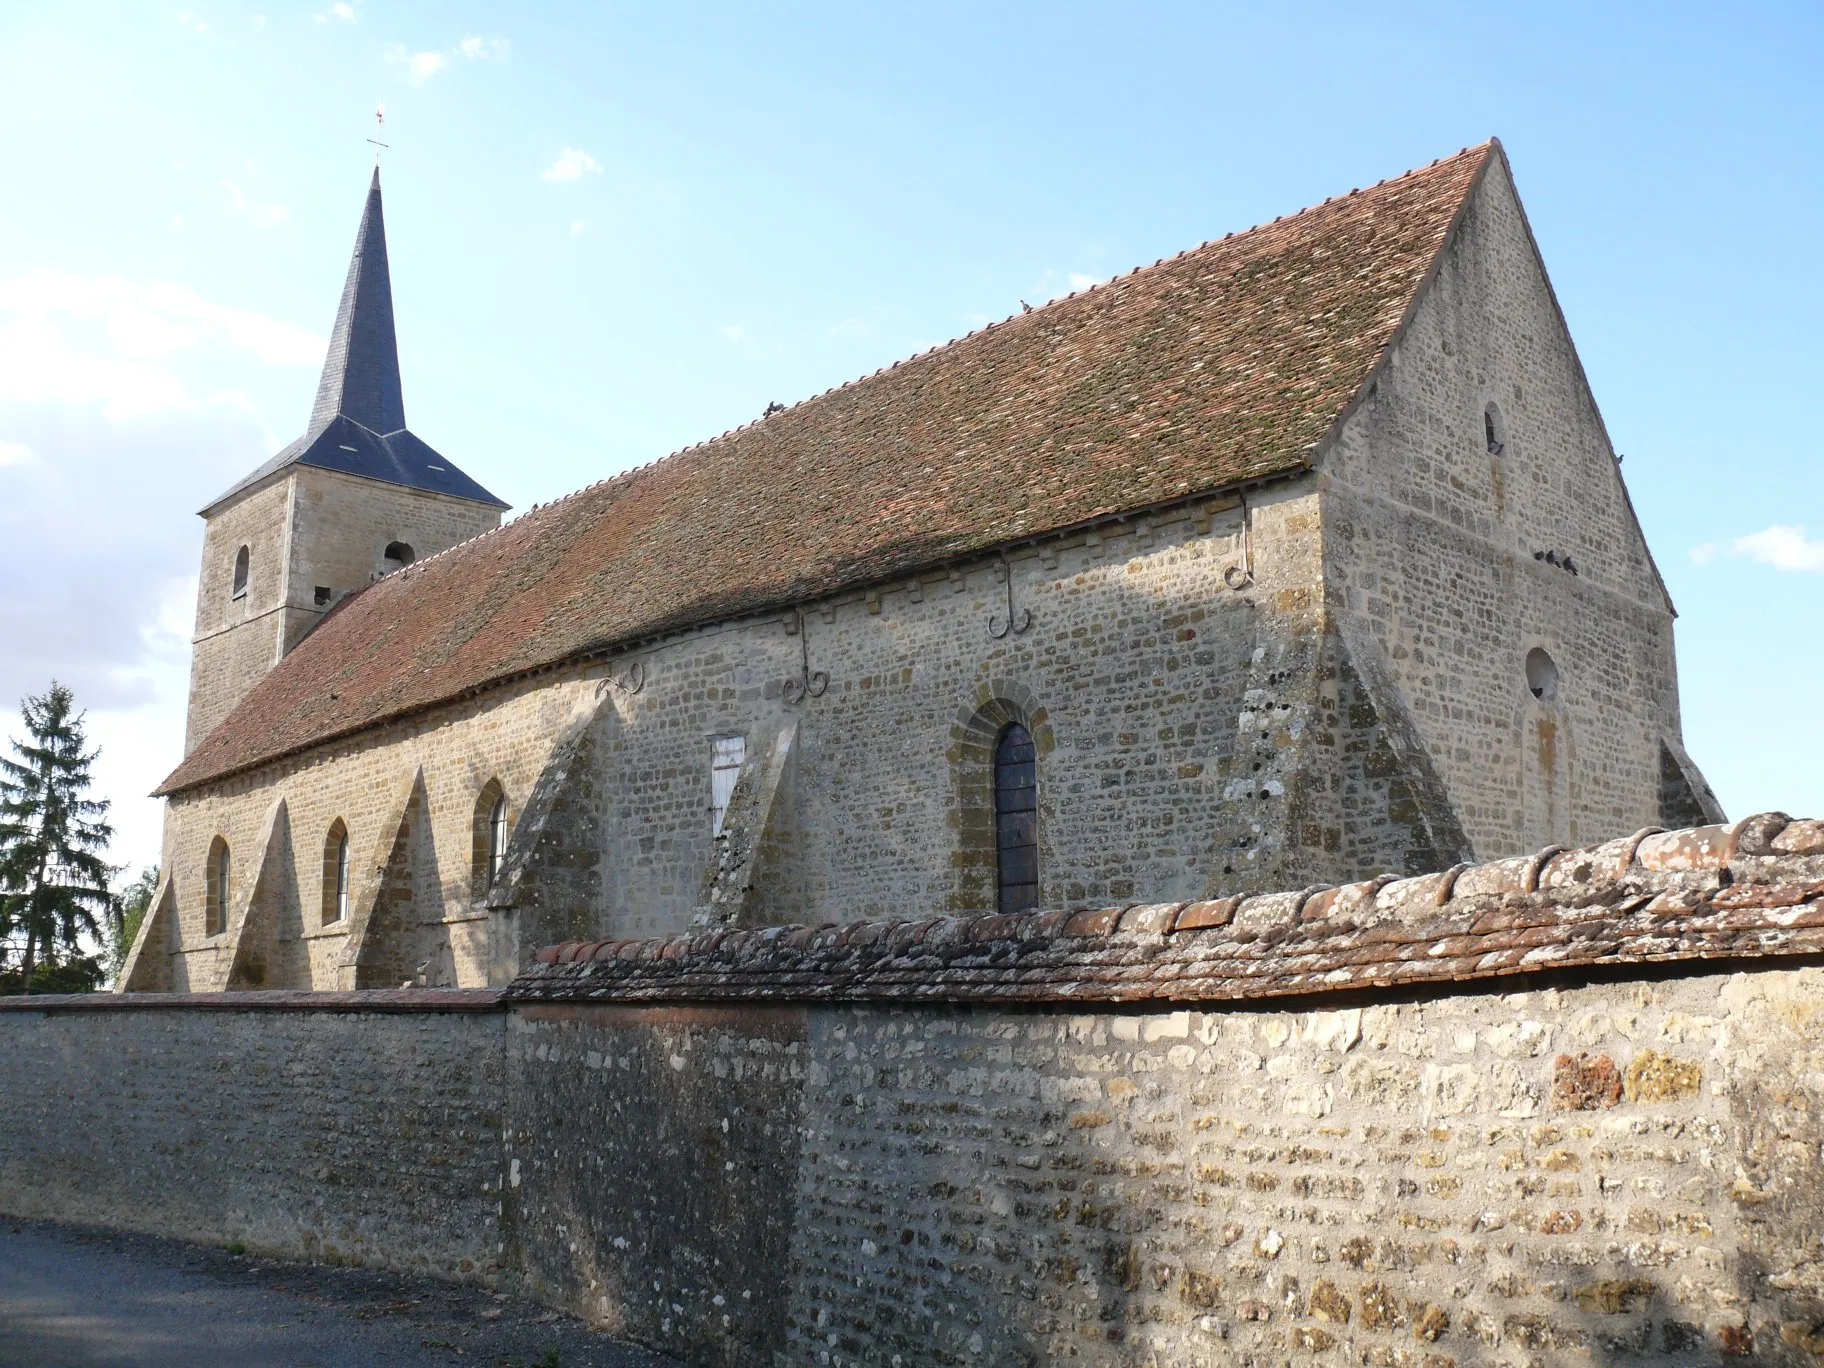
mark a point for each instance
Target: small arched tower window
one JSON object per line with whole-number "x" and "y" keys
{"x": 1541, "y": 675}
{"x": 216, "y": 889}
{"x": 243, "y": 560}
{"x": 397, "y": 556}
{"x": 1016, "y": 819}
{"x": 490, "y": 835}
{"x": 1494, "y": 430}
{"x": 335, "y": 873}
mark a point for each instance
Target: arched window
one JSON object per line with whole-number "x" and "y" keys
{"x": 397, "y": 556}
{"x": 490, "y": 835}
{"x": 1494, "y": 430}
{"x": 335, "y": 873}
{"x": 1016, "y": 819}
{"x": 243, "y": 560}
{"x": 216, "y": 889}
{"x": 497, "y": 836}
{"x": 1541, "y": 675}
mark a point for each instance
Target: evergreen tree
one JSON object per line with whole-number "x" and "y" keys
{"x": 53, "y": 880}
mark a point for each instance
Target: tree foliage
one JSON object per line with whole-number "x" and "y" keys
{"x": 53, "y": 879}
{"x": 130, "y": 911}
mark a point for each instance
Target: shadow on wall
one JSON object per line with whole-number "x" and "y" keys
{"x": 1131, "y": 1190}
{"x": 651, "y": 1170}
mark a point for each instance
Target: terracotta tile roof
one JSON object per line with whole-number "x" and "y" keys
{"x": 1225, "y": 364}
{"x": 1751, "y": 890}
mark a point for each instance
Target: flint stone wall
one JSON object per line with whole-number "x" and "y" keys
{"x": 311, "y": 1126}
{"x": 1601, "y": 1174}
{"x": 1430, "y": 1183}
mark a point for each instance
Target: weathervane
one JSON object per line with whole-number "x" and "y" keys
{"x": 379, "y": 128}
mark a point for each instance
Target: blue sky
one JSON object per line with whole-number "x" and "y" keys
{"x": 620, "y": 229}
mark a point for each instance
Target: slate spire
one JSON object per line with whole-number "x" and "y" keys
{"x": 357, "y": 425}
{"x": 361, "y": 374}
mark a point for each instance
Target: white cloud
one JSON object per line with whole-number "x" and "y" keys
{"x": 576, "y": 229}
{"x": 733, "y": 332}
{"x": 1782, "y": 547}
{"x": 115, "y": 426}
{"x": 111, "y": 344}
{"x": 259, "y": 215}
{"x": 572, "y": 164}
{"x": 191, "y": 22}
{"x": 343, "y": 12}
{"x": 421, "y": 66}
{"x": 1079, "y": 281}
{"x": 477, "y": 49}
{"x": 112, "y": 620}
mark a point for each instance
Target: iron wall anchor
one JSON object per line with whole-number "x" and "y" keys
{"x": 1017, "y": 623}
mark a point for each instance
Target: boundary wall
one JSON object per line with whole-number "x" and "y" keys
{"x": 347, "y": 1127}
{"x": 1567, "y": 1109}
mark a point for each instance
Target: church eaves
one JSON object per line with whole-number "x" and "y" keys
{"x": 357, "y": 425}
{"x": 1228, "y": 364}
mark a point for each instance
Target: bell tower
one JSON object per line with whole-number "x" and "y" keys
{"x": 356, "y": 497}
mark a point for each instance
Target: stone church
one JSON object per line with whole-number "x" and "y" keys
{"x": 1301, "y": 557}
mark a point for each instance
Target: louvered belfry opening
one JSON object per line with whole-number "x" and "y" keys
{"x": 1016, "y": 819}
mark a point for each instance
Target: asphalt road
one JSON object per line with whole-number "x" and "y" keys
{"x": 77, "y": 1298}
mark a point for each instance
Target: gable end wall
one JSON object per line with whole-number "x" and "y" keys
{"x": 1431, "y": 542}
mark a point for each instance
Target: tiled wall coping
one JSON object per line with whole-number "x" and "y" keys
{"x": 367, "y": 1000}
{"x": 1753, "y": 889}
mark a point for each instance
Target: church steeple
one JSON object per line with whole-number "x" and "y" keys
{"x": 361, "y": 374}
{"x": 358, "y": 495}
{"x": 357, "y": 425}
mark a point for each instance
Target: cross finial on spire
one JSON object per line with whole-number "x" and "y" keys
{"x": 379, "y": 128}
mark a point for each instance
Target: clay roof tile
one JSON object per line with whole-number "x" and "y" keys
{"x": 1287, "y": 321}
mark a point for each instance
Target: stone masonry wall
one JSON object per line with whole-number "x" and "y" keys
{"x": 433, "y": 769}
{"x": 1133, "y": 674}
{"x": 1431, "y": 542}
{"x": 1309, "y": 1126}
{"x": 325, "y": 1129}
{"x": 1590, "y": 1175}
{"x": 654, "y": 1163}
{"x": 342, "y": 525}
{"x": 237, "y": 639}
{"x": 1587, "y": 1173}
{"x": 1138, "y": 646}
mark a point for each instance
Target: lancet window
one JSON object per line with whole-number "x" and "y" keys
{"x": 1016, "y": 819}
